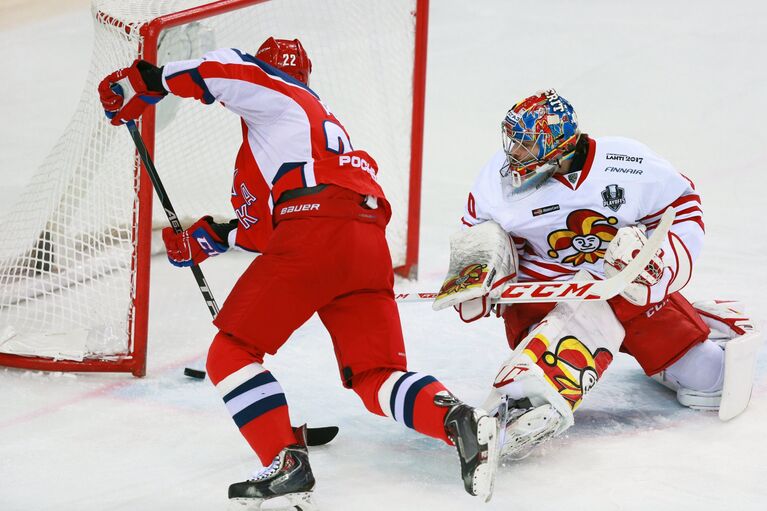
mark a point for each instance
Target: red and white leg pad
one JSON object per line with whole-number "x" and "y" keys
{"x": 559, "y": 362}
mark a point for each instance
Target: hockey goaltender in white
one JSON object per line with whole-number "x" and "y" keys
{"x": 554, "y": 220}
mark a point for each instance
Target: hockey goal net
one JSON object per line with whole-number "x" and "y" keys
{"x": 75, "y": 250}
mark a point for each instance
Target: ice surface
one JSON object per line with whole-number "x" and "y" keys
{"x": 684, "y": 77}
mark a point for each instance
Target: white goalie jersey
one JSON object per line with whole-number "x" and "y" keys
{"x": 566, "y": 225}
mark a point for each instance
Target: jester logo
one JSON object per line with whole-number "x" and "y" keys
{"x": 472, "y": 275}
{"x": 586, "y": 232}
{"x": 571, "y": 369}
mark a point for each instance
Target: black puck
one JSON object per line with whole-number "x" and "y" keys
{"x": 194, "y": 373}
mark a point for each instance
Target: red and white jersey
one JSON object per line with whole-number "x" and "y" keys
{"x": 290, "y": 139}
{"x": 567, "y": 224}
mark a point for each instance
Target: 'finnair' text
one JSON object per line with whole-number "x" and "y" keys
{"x": 622, "y": 170}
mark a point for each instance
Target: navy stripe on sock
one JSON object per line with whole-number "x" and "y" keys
{"x": 256, "y": 381}
{"x": 410, "y": 397}
{"x": 259, "y": 408}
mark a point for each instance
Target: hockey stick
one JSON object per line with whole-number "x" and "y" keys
{"x": 314, "y": 436}
{"x": 569, "y": 290}
{"x": 170, "y": 212}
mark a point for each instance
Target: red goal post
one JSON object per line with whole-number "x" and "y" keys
{"x": 74, "y": 278}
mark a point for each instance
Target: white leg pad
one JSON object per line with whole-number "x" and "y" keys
{"x": 740, "y": 339}
{"x": 563, "y": 357}
{"x": 739, "y": 365}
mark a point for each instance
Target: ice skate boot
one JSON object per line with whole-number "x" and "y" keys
{"x": 527, "y": 426}
{"x": 289, "y": 476}
{"x": 474, "y": 434}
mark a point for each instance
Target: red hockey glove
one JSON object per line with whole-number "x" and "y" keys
{"x": 127, "y": 92}
{"x": 202, "y": 240}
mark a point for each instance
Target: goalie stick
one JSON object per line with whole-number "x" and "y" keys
{"x": 569, "y": 290}
{"x": 314, "y": 436}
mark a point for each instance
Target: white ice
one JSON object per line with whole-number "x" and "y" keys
{"x": 686, "y": 77}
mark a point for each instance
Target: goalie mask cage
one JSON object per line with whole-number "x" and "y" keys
{"x": 76, "y": 247}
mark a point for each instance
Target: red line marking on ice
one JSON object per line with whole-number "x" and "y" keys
{"x": 101, "y": 391}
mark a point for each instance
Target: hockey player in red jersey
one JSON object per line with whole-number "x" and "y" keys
{"x": 309, "y": 203}
{"x": 557, "y": 204}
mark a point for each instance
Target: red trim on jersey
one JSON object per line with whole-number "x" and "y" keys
{"x": 692, "y": 185}
{"x": 697, "y": 219}
{"x": 534, "y": 274}
{"x": 551, "y": 267}
{"x": 689, "y": 210}
{"x": 504, "y": 280}
{"x": 694, "y": 197}
{"x": 471, "y": 206}
{"x": 730, "y": 322}
{"x": 584, "y": 171}
{"x": 676, "y": 257}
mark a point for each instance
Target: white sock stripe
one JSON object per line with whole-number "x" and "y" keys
{"x": 239, "y": 377}
{"x": 399, "y": 399}
{"x": 384, "y": 393}
{"x": 246, "y": 399}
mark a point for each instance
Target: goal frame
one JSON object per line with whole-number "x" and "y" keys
{"x": 138, "y": 321}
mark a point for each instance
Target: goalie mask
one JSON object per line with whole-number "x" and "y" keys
{"x": 288, "y": 56}
{"x": 538, "y": 134}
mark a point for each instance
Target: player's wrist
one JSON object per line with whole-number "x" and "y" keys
{"x": 151, "y": 76}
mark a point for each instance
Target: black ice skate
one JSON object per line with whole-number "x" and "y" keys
{"x": 289, "y": 476}
{"x": 474, "y": 434}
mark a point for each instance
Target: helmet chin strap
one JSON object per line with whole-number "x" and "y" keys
{"x": 562, "y": 160}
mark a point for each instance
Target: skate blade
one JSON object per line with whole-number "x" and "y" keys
{"x": 293, "y": 502}
{"x": 532, "y": 429}
{"x": 483, "y": 479}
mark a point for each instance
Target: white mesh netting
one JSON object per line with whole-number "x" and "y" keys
{"x": 67, "y": 250}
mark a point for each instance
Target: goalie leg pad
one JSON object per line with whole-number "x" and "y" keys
{"x": 568, "y": 351}
{"x": 741, "y": 339}
{"x": 552, "y": 369}
{"x": 732, "y": 331}
{"x": 739, "y": 365}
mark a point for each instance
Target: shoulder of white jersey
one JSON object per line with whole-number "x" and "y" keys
{"x": 486, "y": 191}
{"x": 631, "y": 158}
{"x": 223, "y": 55}
{"x": 236, "y": 56}
{"x": 488, "y": 182}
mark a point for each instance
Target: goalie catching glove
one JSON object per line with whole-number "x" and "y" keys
{"x": 481, "y": 259}
{"x": 127, "y": 92}
{"x": 203, "y": 239}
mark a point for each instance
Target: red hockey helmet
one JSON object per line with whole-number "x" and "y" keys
{"x": 287, "y": 56}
